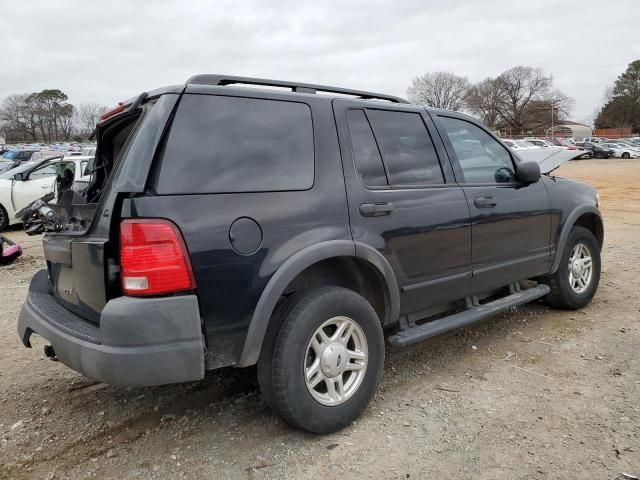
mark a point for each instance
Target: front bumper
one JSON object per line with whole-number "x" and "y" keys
{"x": 140, "y": 341}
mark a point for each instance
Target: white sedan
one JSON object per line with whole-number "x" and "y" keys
{"x": 620, "y": 150}
{"x": 32, "y": 180}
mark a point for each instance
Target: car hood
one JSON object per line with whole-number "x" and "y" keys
{"x": 549, "y": 158}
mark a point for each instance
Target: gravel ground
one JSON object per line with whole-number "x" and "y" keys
{"x": 535, "y": 393}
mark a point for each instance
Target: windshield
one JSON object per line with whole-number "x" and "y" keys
{"x": 23, "y": 167}
{"x": 11, "y": 154}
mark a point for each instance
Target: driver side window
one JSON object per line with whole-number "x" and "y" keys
{"x": 46, "y": 170}
{"x": 481, "y": 157}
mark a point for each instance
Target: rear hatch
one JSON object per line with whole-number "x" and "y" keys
{"x": 82, "y": 258}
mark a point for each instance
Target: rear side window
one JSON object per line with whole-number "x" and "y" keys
{"x": 230, "y": 144}
{"x": 406, "y": 147}
{"x": 365, "y": 151}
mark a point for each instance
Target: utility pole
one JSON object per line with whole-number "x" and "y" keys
{"x": 552, "y": 102}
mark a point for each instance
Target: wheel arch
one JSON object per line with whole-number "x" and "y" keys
{"x": 588, "y": 217}
{"x": 344, "y": 252}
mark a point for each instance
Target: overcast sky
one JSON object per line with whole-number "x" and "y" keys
{"x": 111, "y": 50}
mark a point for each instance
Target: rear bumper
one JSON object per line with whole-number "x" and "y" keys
{"x": 140, "y": 341}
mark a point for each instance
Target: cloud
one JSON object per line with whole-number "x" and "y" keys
{"x": 109, "y": 51}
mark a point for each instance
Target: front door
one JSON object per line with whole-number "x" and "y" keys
{"x": 511, "y": 221}
{"x": 403, "y": 200}
{"x": 37, "y": 184}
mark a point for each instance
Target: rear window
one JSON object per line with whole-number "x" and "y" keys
{"x": 230, "y": 144}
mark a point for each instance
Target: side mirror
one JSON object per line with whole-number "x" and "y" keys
{"x": 19, "y": 177}
{"x": 528, "y": 172}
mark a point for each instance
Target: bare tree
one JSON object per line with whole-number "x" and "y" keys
{"x": 484, "y": 100}
{"x": 19, "y": 118}
{"x": 45, "y": 115}
{"x": 87, "y": 117}
{"x": 439, "y": 90}
{"x": 519, "y": 87}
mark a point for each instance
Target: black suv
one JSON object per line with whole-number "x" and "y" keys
{"x": 289, "y": 227}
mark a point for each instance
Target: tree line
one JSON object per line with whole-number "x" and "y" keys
{"x": 47, "y": 117}
{"x": 519, "y": 99}
{"x": 622, "y": 101}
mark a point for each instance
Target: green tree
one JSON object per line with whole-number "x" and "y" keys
{"x": 622, "y": 107}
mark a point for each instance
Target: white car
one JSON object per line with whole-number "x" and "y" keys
{"x": 538, "y": 142}
{"x": 627, "y": 144}
{"x": 520, "y": 145}
{"x": 32, "y": 180}
{"x": 620, "y": 150}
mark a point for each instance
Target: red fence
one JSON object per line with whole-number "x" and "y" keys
{"x": 612, "y": 132}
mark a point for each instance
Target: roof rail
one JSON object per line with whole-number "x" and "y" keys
{"x": 214, "y": 79}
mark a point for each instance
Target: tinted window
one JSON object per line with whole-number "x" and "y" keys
{"x": 406, "y": 147}
{"x": 228, "y": 144}
{"x": 482, "y": 158}
{"x": 365, "y": 151}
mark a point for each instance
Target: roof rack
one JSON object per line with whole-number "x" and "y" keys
{"x": 214, "y": 79}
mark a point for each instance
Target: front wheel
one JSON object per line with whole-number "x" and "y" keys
{"x": 626, "y": 155}
{"x": 575, "y": 282}
{"x": 322, "y": 367}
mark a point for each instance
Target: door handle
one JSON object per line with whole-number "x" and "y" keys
{"x": 376, "y": 209}
{"x": 484, "y": 202}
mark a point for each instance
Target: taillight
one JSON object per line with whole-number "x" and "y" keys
{"x": 153, "y": 258}
{"x": 112, "y": 111}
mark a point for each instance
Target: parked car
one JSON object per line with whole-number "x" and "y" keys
{"x": 594, "y": 140}
{"x": 512, "y": 144}
{"x": 245, "y": 226}
{"x": 542, "y": 143}
{"x": 621, "y": 150}
{"x": 627, "y": 144}
{"x": 12, "y": 158}
{"x": 32, "y": 180}
{"x": 563, "y": 143}
{"x": 595, "y": 150}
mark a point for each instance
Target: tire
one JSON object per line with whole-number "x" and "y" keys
{"x": 303, "y": 341}
{"x": 4, "y": 218}
{"x": 626, "y": 155}
{"x": 567, "y": 292}
{"x": 599, "y": 155}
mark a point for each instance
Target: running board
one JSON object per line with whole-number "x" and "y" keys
{"x": 474, "y": 314}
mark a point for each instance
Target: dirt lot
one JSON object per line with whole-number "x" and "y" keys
{"x": 533, "y": 394}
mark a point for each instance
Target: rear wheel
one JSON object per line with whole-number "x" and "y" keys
{"x": 321, "y": 368}
{"x": 4, "y": 218}
{"x": 575, "y": 282}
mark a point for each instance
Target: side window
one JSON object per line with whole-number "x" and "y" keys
{"x": 365, "y": 151}
{"x": 482, "y": 158}
{"x": 406, "y": 147}
{"x": 223, "y": 144}
{"x": 46, "y": 170}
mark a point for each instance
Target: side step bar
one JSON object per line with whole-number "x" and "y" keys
{"x": 474, "y": 314}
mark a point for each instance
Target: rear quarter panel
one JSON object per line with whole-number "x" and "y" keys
{"x": 229, "y": 284}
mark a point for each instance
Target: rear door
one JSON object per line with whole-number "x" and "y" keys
{"x": 511, "y": 221}
{"x": 403, "y": 200}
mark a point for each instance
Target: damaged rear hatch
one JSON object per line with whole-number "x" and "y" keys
{"x": 82, "y": 251}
